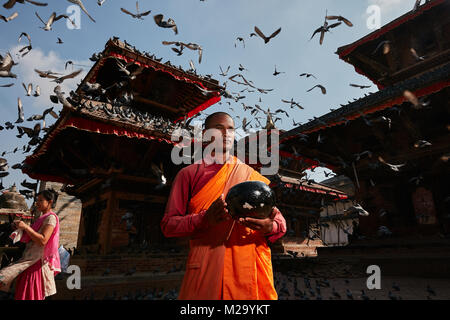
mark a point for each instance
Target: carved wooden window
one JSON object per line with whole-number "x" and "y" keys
{"x": 92, "y": 216}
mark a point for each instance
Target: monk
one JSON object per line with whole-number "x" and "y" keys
{"x": 228, "y": 259}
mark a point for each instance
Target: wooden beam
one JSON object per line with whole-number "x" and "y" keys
{"x": 412, "y": 129}
{"x": 157, "y": 104}
{"x": 380, "y": 136}
{"x": 148, "y": 154}
{"x": 435, "y": 149}
{"x": 111, "y": 207}
{"x": 440, "y": 39}
{"x": 80, "y": 158}
{"x": 297, "y": 173}
{"x": 392, "y": 57}
{"x": 141, "y": 197}
{"x": 156, "y": 199}
{"x": 303, "y": 214}
{"x": 422, "y": 66}
{"x": 102, "y": 150}
{"x": 339, "y": 217}
{"x": 89, "y": 184}
{"x": 139, "y": 179}
{"x": 100, "y": 173}
{"x": 374, "y": 64}
{"x": 298, "y": 207}
{"x": 337, "y": 145}
{"x": 64, "y": 162}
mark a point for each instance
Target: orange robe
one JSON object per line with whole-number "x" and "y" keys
{"x": 227, "y": 261}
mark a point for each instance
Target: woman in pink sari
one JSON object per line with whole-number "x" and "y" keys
{"x": 39, "y": 264}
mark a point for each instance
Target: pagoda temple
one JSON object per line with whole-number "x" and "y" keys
{"x": 393, "y": 144}
{"x": 111, "y": 144}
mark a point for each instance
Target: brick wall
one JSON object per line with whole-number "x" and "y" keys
{"x": 68, "y": 209}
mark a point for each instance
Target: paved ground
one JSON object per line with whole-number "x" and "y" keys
{"x": 410, "y": 288}
{"x": 410, "y": 265}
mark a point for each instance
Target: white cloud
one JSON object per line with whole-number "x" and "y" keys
{"x": 38, "y": 59}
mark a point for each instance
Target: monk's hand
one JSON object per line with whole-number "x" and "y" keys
{"x": 264, "y": 226}
{"x": 218, "y": 211}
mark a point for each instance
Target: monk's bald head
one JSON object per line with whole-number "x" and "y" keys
{"x": 215, "y": 117}
{"x": 220, "y": 126}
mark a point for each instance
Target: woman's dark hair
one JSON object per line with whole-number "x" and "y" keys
{"x": 49, "y": 195}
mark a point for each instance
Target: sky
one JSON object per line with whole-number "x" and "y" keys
{"x": 214, "y": 25}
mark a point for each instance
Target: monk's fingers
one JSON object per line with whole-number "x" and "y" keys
{"x": 218, "y": 206}
{"x": 221, "y": 199}
{"x": 220, "y": 202}
{"x": 225, "y": 216}
{"x": 255, "y": 225}
{"x": 253, "y": 220}
{"x": 216, "y": 203}
{"x": 216, "y": 214}
{"x": 259, "y": 222}
{"x": 221, "y": 214}
{"x": 223, "y": 203}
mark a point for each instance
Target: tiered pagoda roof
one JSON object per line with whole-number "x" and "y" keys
{"x": 147, "y": 103}
{"x": 425, "y": 30}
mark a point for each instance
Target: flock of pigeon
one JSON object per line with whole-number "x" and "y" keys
{"x": 118, "y": 108}
{"x": 115, "y": 108}
{"x": 121, "y": 108}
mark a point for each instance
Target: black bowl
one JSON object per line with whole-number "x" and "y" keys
{"x": 250, "y": 199}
